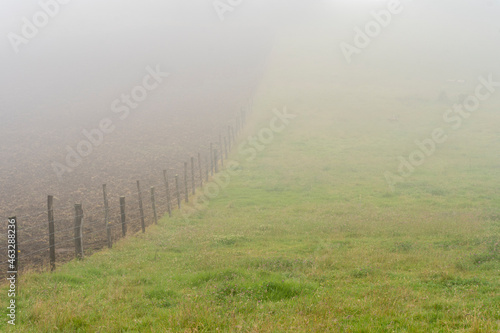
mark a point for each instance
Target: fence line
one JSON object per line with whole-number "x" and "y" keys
{"x": 160, "y": 196}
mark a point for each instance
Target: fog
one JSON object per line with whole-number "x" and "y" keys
{"x": 250, "y": 166}
{"x": 96, "y": 49}
{"x": 65, "y": 77}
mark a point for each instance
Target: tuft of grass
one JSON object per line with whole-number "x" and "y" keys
{"x": 363, "y": 272}
{"x": 402, "y": 247}
{"x": 227, "y": 239}
{"x": 267, "y": 291}
{"x": 161, "y": 298}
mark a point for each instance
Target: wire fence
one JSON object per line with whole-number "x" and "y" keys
{"x": 44, "y": 241}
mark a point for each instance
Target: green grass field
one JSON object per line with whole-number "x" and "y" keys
{"x": 307, "y": 237}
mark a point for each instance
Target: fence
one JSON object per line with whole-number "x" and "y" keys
{"x": 118, "y": 216}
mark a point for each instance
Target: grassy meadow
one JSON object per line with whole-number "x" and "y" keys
{"x": 308, "y": 237}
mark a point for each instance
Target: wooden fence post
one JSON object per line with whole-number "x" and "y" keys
{"x": 177, "y": 193}
{"x": 201, "y": 172}
{"x": 141, "y": 208}
{"x": 52, "y": 238}
{"x": 193, "y": 183}
{"x": 165, "y": 180}
{"x": 153, "y": 203}
{"x": 229, "y": 137}
{"x": 122, "y": 216}
{"x": 106, "y": 215}
{"x": 186, "y": 194}
{"x": 78, "y": 231}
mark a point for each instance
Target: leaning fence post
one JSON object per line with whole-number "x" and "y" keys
{"x": 193, "y": 183}
{"x": 165, "y": 179}
{"x": 186, "y": 194}
{"x": 153, "y": 203}
{"x": 78, "y": 231}
{"x": 122, "y": 216}
{"x": 106, "y": 215}
{"x": 141, "y": 208}
{"x": 177, "y": 193}
{"x": 201, "y": 172}
{"x": 52, "y": 238}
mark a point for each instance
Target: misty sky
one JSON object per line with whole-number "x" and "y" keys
{"x": 91, "y": 47}
{"x": 92, "y": 51}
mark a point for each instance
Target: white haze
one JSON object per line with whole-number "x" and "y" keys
{"x": 66, "y": 77}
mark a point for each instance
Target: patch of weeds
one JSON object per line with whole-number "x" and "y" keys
{"x": 445, "y": 245}
{"x": 204, "y": 277}
{"x": 390, "y": 195}
{"x": 491, "y": 253}
{"x": 141, "y": 282}
{"x": 436, "y": 277}
{"x": 481, "y": 258}
{"x": 265, "y": 227}
{"x": 63, "y": 278}
{"x": 282, "y": 264}
{"x": 459, "y": 282}
{"x": 272, "y": 291}
{"x": 493, "y": 245}
{"x": 95, "y": 272}
{"x": 445, "y": 280}
{"x": 463, "y": 265}
{"x": 494, "y": 217}
{"x": 341, "y": 244}
{"x": 79, "y": 323}
{"x": 437, "y": 192}
{"x": 174, "y": 249}
{"x": 198, "y": 215}
{"x": 228, "y": 239}
{"x": 230, "y": 290}
{"x": 276, "y": 189}
{"x": 336, "y": 244}
{"x": 161, "y": 298}
{"x": 402, "y": 247}
{"x": 457, "y": 243}
{"x": 359, "y": 273}
{"x": 437, "y": 306}
{"x": 276, "y": 291}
